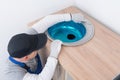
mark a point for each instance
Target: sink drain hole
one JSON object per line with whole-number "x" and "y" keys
{"x": 70, "y": 36}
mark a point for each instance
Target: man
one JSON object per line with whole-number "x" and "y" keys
{"x": 24, "y": 62}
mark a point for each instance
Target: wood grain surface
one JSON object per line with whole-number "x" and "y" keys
{"x": 98, "y": 59}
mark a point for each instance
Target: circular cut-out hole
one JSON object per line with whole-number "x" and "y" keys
{"x": 70, "y": 36}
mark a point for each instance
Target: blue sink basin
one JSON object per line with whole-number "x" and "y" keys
{"x": 67, "y": 32}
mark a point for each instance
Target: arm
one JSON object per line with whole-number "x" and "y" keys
{"x": 47, "y": 72}
{"x": 49, "y": 20}
{"x": 42, "y": 25}
{"x": 50, "y": 66}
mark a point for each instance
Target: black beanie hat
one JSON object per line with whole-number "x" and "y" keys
{"x": 23, "y": 44}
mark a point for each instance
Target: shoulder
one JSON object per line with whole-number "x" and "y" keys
{"x": 31, "y": 31}
{"x": 12, "y": 71}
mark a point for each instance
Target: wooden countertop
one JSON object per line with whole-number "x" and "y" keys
{"x": 97, "y": 59}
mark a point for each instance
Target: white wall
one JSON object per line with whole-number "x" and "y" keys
{"x": 106, "y": 11}
{"x": 16, "y": 14}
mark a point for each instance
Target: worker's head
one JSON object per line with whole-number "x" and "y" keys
{"x": 24, "y": 46}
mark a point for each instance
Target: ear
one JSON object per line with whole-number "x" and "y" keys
{"x": 26, "y": 58}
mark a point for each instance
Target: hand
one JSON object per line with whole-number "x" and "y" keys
{"x": 77, "y": 17}
{"x": 55, "y": 48}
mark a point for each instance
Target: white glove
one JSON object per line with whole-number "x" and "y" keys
{"x": 55, "y": 48}
{"x": 77, "y": 17}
